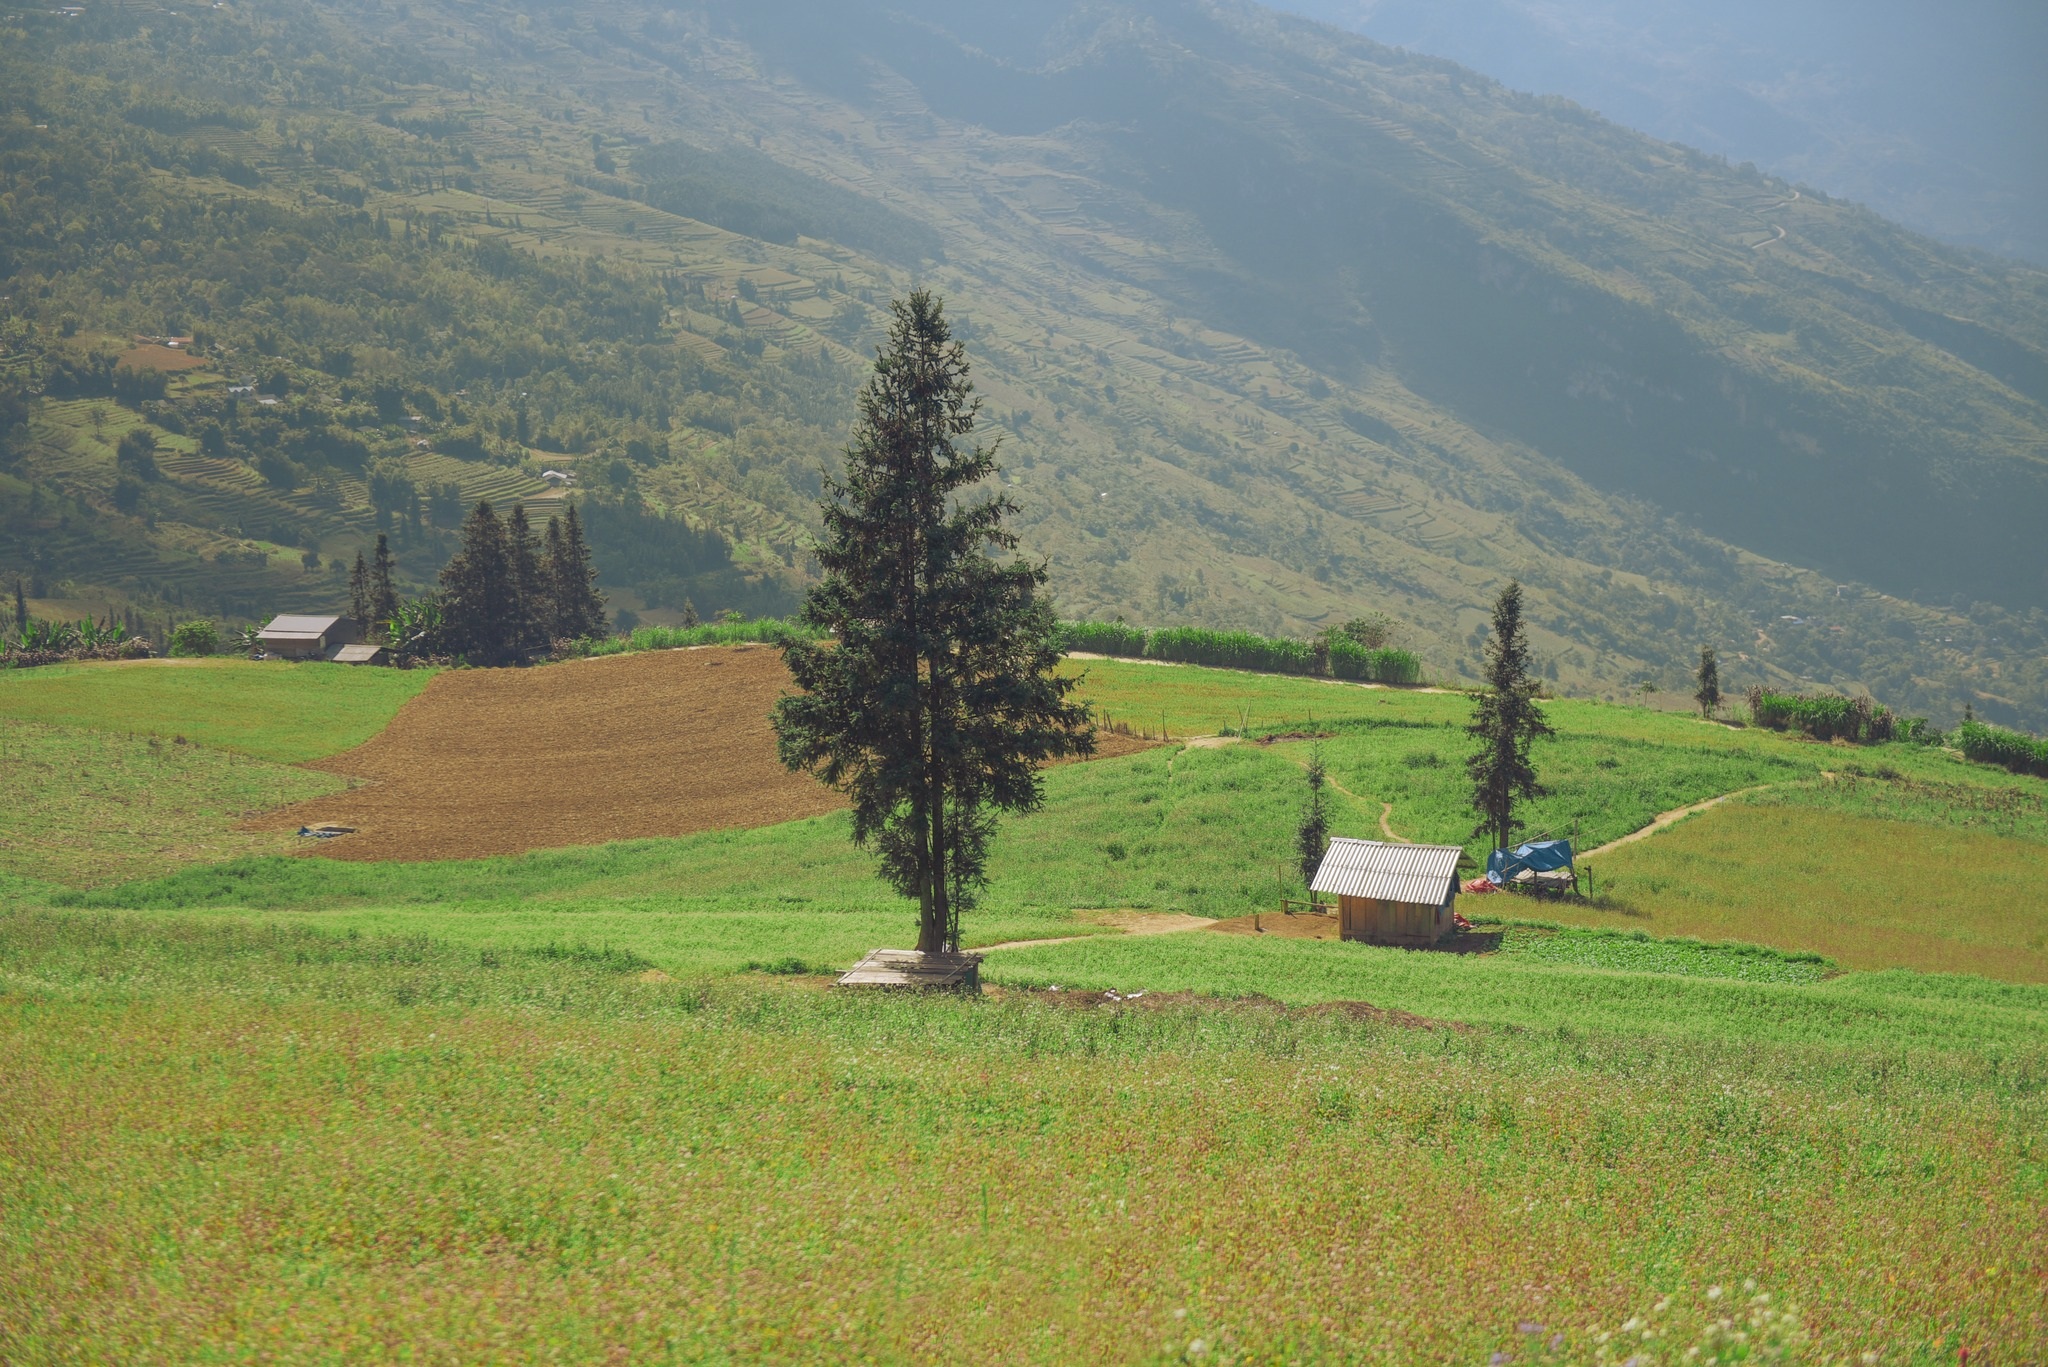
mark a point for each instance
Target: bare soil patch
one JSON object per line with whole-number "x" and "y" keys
{"x": 625, "y": 747}
{"x": 500, "y": 761}
{"x": 1298, "y": 927}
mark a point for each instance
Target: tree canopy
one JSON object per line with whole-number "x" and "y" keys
{"x": 1506, "y": 721}
{"x": 937, "y": 701}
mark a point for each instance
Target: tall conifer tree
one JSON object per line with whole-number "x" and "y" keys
{"x": 1505, "y": 722}
{"x": 480, "y": 592}
{"x": 528, "y": 588}
{"x": 572, "y": 580}
{"x": 551, "y": 568}
{"x": 359, "y": 593}
{"x": 1312, "y": 837}
{"x": 938, "y": 700}
{"x": 383, "y": 592}
{"x": 1707, "y": 679}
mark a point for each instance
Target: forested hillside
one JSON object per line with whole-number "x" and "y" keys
{"x": 1276, "y": 326}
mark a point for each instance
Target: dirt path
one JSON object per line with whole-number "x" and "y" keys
{"x": 1387, "y": 810}
{"x": 1132, "y": 923}
{"x": 1671, "y": 818}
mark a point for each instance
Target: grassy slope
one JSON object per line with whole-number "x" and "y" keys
{"x": 89, "y": 808}
{"x": 242, "y": 1144}
{"x": 1200, "y": 830}
{"x": 1867, "y": 892}
{"x": 272, "y": 710}
{"x": 1362, "y": 486}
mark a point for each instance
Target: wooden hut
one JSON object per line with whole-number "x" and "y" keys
{"x": 1390, "y": 894}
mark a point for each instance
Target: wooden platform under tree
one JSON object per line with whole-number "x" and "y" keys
{"x": 912, "y": 969}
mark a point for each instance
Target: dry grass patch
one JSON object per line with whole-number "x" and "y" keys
{"x": 1866, "y": 892}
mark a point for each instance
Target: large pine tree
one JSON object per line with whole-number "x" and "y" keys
{"x": 484, "y": 619}
{"x": 576, "y": 606}
{"x": 938, "y": 700}
{"x": 529, "y": 589}
{"x": 383, "y": 593}
{"x": 1505, "y": 722}
{"x": 359, "y": 593}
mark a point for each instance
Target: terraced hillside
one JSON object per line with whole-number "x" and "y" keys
{"x": 1275, "y": 325}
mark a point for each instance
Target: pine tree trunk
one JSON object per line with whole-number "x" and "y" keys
{"x": 931, "y": 932}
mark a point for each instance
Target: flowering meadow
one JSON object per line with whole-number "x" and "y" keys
{"x": 221, "y": 1142}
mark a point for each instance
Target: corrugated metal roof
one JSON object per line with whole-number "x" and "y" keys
{"x": 357, "y": 654}
{"x": 290, "y": 625}
{"x": 1420, "y": 874}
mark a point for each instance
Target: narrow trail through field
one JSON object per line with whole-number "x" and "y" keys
{"x": 1387, "y": 810}
{"x": 1673, "y": 817}
{"x": 1142, "y": 923}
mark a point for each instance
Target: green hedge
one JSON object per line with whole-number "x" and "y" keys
{"x": 1350, "y": 660}
{"x": 2007, "y": 749}
{"x": 769, "y": 630}
{"x": 1826, "y": 717}
{"x": 1231, "y": 650}
{"x": 1331, "y": 654}
{"x": 1103, "y": 638}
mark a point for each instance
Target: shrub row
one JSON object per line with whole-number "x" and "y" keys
{"x": 768, "y": 630}
{"x": 1824, "y": 718}
{"x": 2007, "y": 749}
{"x": 1331, "y": 654}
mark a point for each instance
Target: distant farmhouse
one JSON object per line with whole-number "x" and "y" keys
{"x": 318, "y": 638}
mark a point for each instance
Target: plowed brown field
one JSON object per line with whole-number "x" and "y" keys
{"x": 500, "y": 761}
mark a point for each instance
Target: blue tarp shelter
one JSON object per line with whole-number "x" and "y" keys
{"x": 1539, "y": 856}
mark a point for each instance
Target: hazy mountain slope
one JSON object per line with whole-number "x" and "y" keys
{"x": 1276, "y": 325}
{"x": 1934, "y": 115}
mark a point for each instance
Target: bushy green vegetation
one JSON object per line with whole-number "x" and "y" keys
{"x": 272, "y": 709}
{"x": 1331, "y": 653}
{"x": 740, "y": 631}
{"x": 391, "y": 1142}
{"x": 1823, "y": 718}
{"x": 2007, "y": 749}
{"x": 91, "y": 808}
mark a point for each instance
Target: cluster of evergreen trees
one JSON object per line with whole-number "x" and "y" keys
{"x": 508, "y": 595}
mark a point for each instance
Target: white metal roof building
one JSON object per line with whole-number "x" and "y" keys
{"x": 303, "y": 637}
{"x": 1389, "y": 893}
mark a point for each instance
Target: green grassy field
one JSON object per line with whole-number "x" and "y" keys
{"x": 541, "y": 1098}
{"x": 1868, "y": 892}
{"x": 271, "y": 709}
{"x": 225, "y": 1142}
{"x": 85, "y": 808}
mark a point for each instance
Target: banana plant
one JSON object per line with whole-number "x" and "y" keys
{"x": 415, "y": 629}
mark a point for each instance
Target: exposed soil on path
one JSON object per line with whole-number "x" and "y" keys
{"x": 1670, "y": 818}
{"x": 1130, "y": 922}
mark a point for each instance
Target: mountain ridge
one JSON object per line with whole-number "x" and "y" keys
{"x": 1217, "y": 406}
